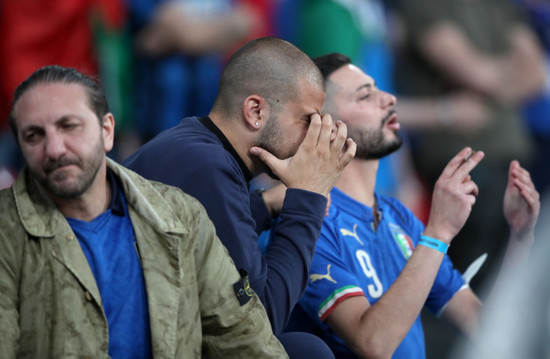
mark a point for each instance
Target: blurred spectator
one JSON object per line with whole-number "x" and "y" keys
{"x": 359, "y": 30}
{"x": 34, "y": 33}
{"x": 480, "y": 51}
{"x": 537, "y": 109}
{"x": 179, "y": 48}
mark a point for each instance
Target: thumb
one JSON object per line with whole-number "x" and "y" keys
{"x": 270, "y": 160}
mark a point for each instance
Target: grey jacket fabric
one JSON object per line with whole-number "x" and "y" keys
{"x": 50, "y": 306}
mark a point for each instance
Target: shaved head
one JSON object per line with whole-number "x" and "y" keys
{"x": 268, "y": 67}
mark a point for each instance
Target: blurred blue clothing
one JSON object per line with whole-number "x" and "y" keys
{"x": 172, "y": 87}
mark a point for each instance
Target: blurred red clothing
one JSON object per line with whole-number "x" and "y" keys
{"x": 35, "y": 33}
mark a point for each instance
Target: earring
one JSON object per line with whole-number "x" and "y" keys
{"x": 257, "y": 124}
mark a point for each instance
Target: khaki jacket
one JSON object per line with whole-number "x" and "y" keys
{"x": 50, "y": 306}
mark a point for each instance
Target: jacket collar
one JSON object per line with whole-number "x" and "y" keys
{"x": 40, "y": 217}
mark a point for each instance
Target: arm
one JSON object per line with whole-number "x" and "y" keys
{"x": 376, "y": 331}
{"x": 462, "y": 112}
{"x": 510, "y": 77}
{"x": 9, "y": 289}
{"x": 174, "y": 30}
{"x": 231, "y": 328}
{"x": 280, "y": 276}
{"x": 521, "y": 209}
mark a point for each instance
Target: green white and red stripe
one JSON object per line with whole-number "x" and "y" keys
{"x": 336, "y": 297}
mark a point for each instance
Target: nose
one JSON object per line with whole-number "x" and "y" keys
{"x": 54, "y": 146}
{"x": 388, "y": 100}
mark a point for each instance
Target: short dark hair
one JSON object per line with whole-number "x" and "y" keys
{"x": 329, "y": 63}
{"x": 269, "y": 67}
{"x": 59, "y": 74}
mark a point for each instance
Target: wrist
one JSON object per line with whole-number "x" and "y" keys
{"x": 433, "y": 243}
{"x": 439, "y": 233}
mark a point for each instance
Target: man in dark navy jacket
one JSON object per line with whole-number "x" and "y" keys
{"x": 266, "y": 118}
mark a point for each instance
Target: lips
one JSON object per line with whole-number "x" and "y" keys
{"x": 391, "y": 121}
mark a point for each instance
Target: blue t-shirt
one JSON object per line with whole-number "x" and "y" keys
{"x": 108, "y": 242}
{"x": 352, "y": 259}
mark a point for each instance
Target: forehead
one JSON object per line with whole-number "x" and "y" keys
{"x": 350, "y": 78}
{"x": 51, "y": 100}
{"x": 310, "y": 96}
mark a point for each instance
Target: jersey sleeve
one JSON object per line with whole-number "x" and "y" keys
{"x": 448, "y": 280}
{"x": 447, "y": 283}
{"x": 330, "y": 279}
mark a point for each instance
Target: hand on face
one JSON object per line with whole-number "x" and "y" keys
{"x": 521, "y": 202}
{"x": 320, "y": 159}
{"x": 453, "y": 197}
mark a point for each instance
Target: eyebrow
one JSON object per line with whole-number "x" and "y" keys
{"x": 61, "y": 120}
{"x": 368, "y": 85}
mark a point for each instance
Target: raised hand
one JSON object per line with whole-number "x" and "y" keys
{"x": 320, "y": 159}
{"x": 521, "y": 202}
{"x": 453, "y": 197}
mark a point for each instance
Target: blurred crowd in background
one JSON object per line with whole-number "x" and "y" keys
{"x": 465, "y": 73}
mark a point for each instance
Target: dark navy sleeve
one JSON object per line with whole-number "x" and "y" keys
{"x": 259, "y": 211}
{"x": 279, "y": 278}
{"x": 290, "y": 252}
{"x": 212, "y": 176}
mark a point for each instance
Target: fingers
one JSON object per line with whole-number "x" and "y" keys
{"x": 270, "y": 160}
{"x": 341, "y": 134}
{"x": 462, "y": 164}
{"x": 326, "y": 130}
{"x": 312, "y": 135}
{"x": 319, "y": 132}
{"x": 349, "y": 153}
{"x": 521, "y": 179}
{"x": 455, "y": 162}
{"x": 344, "y": 147}
{"x": 471, "y": 190}
{"x": 472, "y": 159}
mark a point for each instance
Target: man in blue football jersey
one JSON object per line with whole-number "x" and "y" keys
{"x": 376, "y": 265}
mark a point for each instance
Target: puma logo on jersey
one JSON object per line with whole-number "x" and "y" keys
{"x": 327, "y": 276}
{"x": 353, "y": 234}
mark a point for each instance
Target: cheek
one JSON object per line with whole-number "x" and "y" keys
{"x": 33, "y": 156}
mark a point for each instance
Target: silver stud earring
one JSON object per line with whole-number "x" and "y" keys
{"x": 257, "y": 124}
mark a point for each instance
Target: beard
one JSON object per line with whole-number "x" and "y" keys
{"x": 374, "y": 144}
{"x": 59, "y": 184}
{"x": 271, "y": 139}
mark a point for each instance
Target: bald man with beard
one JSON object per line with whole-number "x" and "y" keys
{"x": 266, "y": 118}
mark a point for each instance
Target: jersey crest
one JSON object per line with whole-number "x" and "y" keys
{"x": 404, "y": 242}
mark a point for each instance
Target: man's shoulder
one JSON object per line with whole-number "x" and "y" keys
{"x": 7, "y": 205}
{"x": 154, "y": 194}
{"x": 187, "y": 141}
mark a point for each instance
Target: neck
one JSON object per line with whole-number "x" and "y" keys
{"x": 240, "y": 139}
{"x": 358, "y": 180}
{"x": 94, "y": 201}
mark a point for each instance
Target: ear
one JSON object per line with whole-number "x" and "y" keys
{"x": 255, "y": 111}
{"x": 108, "y": 127}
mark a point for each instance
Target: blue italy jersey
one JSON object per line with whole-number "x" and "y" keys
{"x": 352, "y": 259}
